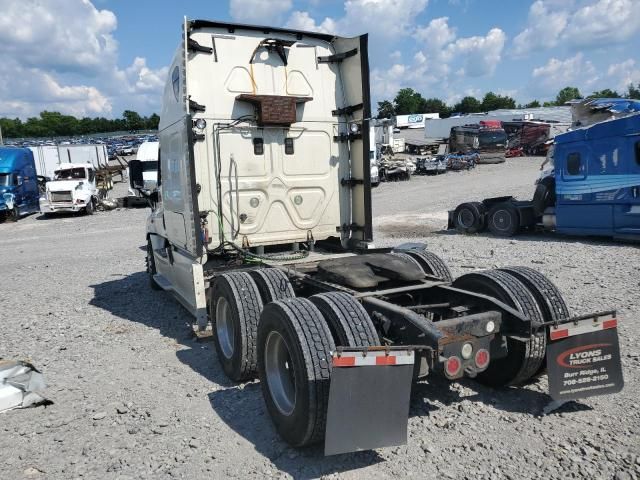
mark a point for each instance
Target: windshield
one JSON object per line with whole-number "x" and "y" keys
{"x": 70, "y": 174}
{"x": 149, "y": 166}
{"x": 5, "y": 179}
{"x": 492, "y": 137}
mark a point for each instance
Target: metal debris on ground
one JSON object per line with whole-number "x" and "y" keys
{"x": 20, "y": 385}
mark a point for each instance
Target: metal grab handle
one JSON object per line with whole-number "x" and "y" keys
{"x": 233, "y": 173}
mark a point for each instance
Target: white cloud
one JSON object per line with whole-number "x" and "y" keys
{"x": 604, "y": 22}
{"x": 543, "y": 30}
{"x": 303, "y": 21}
{"x": 64, "y": 57}
{"x": 598, "y": 23}
{"x": 441, "y": 53}
{"x": 480, "y": 55}
{"x": 437, "y": 34}
{"x": 548, "y": 79}
{"x": 380, "y": 18}
{"x": 621, "y": 75}
{"x": 260, "y": 12}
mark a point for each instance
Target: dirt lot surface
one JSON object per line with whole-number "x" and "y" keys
{"x": 136, "y": 396}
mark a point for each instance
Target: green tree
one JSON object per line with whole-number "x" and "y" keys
{"x": 566, "y": 94}
{"x": 132, "y": 120}
{"x": 408, "y": 101}
{"x": 468, "y": 105}
{"x": 606, "y": 93}
{"x": 386, "y": 109}
{"x": 492, "y": 101}
{"x": 153, "y": 122}
{"x": 534, "y": 104}
{"x": 633, "y": 92}
{"x": 435, "y": 105}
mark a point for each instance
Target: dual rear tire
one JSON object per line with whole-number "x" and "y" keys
{"x": 502, "y": 219}
{"x": 260, "y": 328}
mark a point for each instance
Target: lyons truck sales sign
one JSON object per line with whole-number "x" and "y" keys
{"x": 584, "y": 360}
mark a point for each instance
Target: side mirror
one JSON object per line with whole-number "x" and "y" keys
{"x": 135, "y": 174}
{"x": 19, "y": 180}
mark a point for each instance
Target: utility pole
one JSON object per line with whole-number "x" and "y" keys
{"x": 1, "y": 141}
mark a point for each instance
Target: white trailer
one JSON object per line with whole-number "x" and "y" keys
{"x": 415, "y": 120}
{"x": 49, "y": 157}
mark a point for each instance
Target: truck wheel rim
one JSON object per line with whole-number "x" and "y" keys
{"x": 466, "y": 218}
{"x": 224, "y": 327}
{"x": 502, "y": 220}
{"x": 279, "y": 373}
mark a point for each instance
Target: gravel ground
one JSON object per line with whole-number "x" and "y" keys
{"x": 136, "y": 396}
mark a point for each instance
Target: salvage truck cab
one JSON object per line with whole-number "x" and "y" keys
{"x": 18, "y": 183}
{"x": 261, "y": 227}
{"x": 73, "y": 189}
{"x": 591, "y": 187}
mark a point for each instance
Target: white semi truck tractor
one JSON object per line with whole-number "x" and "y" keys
{"x": 261, "y": 227}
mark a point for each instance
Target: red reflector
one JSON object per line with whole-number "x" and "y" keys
{"x": 386, "y": 360}
{"x": 344, "y": 361}
{"x": 482, "y": 358}
{"x": 556, "y": 334}
{"x": 613, "y": 323}
{"x": 452, "y": 366}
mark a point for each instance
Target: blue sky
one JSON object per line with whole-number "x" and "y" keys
{"x": 100, "y": 57}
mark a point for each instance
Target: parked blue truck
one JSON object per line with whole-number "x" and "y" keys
{"x": 592, "y": 189}
{"x": 19, "y": 194}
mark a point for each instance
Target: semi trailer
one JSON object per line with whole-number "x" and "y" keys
{"x": 261, "y": 227}
{"x": 591, "y": 187}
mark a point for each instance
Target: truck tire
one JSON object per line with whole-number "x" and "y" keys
{"x": 294, "y": 364}
{"x": 347, "y": 319}
{"x": 235, "y": 308}
{"x": 547, "y": 295}
{"x": 151, "y": 266}
{"x": 13, "y": 215}
{"x": 432, "y": 264}
{"x": 523, "y": 359}
{"x": 273, "y": 284}
{"x": 504, "y": 219}
{"x": 470, "y": 217}
{"x": 90, "y": 208}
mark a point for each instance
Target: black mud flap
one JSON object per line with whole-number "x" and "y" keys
{"x": 583, "y": 358}
{"x": 368, "y": 400}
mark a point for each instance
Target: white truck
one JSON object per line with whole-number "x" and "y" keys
{"x": 72, "y": 189}
{"x": 262, "y": 227}
{"x": 147, "y": 161}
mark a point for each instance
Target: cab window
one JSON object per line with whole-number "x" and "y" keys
{"x": 574, "y": 162}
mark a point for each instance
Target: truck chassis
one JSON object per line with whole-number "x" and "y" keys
{"x": 291, "y": 322}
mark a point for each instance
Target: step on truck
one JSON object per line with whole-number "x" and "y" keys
{"x": 261, "y": 228}
{"x": 591, "y": 187}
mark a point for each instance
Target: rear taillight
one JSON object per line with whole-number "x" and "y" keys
{"x": 482, "y": 359}
{"x": 452, "y": 366}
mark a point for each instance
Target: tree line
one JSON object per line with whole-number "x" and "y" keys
{"x": 55, "y": 124}
{"x": 408, "y": 101}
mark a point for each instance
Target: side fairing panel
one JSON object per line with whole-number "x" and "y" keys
{"x": 179, "y": 193}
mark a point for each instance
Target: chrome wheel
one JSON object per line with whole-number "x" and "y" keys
{"x": 225, "y": 327}
{"x": 466, "y": 218}
{"x": 279, "y": 373}
{"x": 502, "y": 220}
